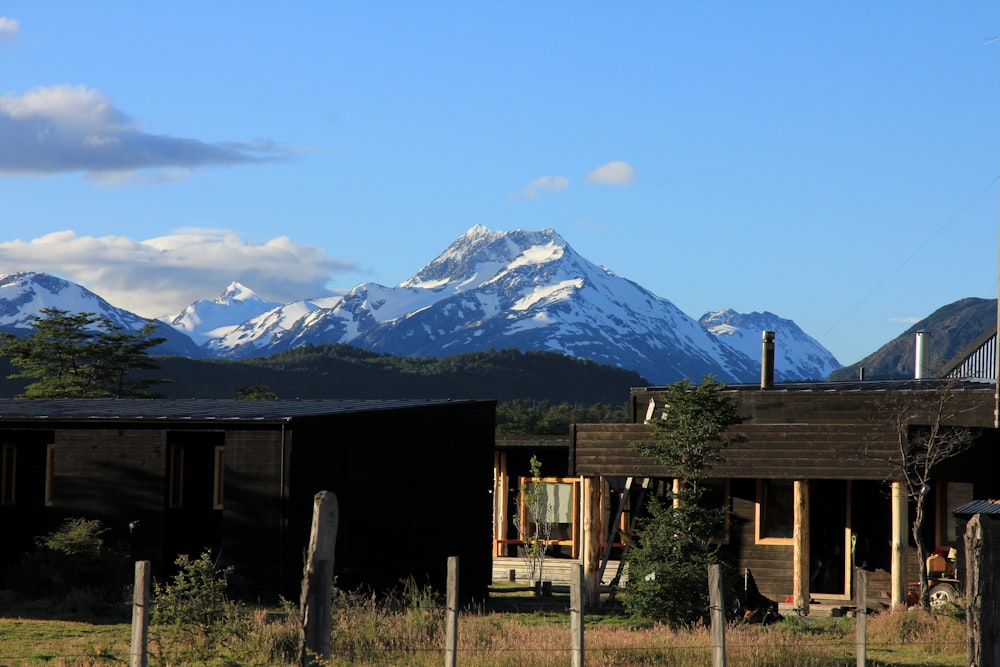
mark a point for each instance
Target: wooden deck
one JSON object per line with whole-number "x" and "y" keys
{"x": 556, "y": 570}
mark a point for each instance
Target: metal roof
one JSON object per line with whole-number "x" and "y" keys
{"x": 991, "y": 507}
{"x": 200, "y": 409}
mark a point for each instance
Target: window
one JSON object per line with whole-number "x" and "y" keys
{"x": 951, "y": 496}
{"x": 9, "y": 474}
{"x": 195, "y": 470}
{"x": 775, "y": 514}
{"x": 175, "y": 497}
{"x": 220, "y": 477}
{"x": 50, "y": 464}
{"x": 562, "y": 510}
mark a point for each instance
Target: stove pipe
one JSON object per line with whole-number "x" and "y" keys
{"x": 767, "y": 361}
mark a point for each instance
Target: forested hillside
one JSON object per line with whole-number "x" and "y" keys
{"x": 343, "y": 371}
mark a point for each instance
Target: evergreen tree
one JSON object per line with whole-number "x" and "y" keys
{"x": 80, "y": 355}
{"x": 674, "y": 545}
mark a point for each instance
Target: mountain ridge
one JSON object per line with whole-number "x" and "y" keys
{"x": 524, "y": 289}
{"x": 521, "y": 289}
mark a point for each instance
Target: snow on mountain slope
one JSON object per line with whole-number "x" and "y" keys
{"x": 255, "y": 337}
{"x": 797, "y": 355}
{"x": 524, "y": 289}
{"x": 204, "y": 320}
{"x": 24, "y": 295}
{"x": 520, "y": 289}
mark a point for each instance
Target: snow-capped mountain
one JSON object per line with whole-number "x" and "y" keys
{"x": 797, "y": 355}
{"x": 24, "y": 295}
{"x": 255, "y": 336}
{"x": 523, "y": 289}
{"x": 204, "y": 319}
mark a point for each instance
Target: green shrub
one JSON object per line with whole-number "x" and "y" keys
{"x": 74, "y": 569}
{"x": 195, "y": 622}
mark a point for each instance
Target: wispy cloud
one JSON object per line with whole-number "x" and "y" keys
{"x": 905, "y": 320}
{"x": 160, "y": 276}
{"x": 61, "y": 129}
{"x": 8, "y": 29}
{"x": 545, "y": 184}
{"x": 615, "y": 172}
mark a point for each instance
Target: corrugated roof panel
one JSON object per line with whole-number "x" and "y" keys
{"x": 991, "y": 507}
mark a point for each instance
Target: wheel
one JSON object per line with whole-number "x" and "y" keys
{"x": 942, "y": 594}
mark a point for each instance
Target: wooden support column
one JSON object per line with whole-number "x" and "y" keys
{"x": 899, "y": 541}
{"x": 591, "y": 556}
{"x": 800, "y": 541}
{"x": 501, "y": 509}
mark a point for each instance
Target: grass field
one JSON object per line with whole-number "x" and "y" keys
{"x": 368, "y": 631}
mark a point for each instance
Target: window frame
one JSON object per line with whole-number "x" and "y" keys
{"x": 763, "y": 506}
{"x": 8, "y": 474}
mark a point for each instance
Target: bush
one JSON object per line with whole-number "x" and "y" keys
{"x": 74, "y": 568}
{"x": 194, "y": 621}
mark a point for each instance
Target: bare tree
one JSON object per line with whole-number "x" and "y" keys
{"x": 534, "y": 519}
{"x": 928, "y": 433}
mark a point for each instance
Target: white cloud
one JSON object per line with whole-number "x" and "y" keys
{"x": 160, "y": 276}
{"x": 615, "y": 172}
{"x": 8, "y": 29}
{"x": 545, "y": 184}
{"x": 61, "y": 129}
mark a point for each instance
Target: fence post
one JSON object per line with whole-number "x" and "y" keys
{"x": 576, "y": 604}
{"x": 718, "y": 615}
{"x": 317, "y": 581}
{"x": 451, "y": 614}
{"x": 861, "y": 614}
{"x": 980, "y": 594}
{"x": 140, "y": 616}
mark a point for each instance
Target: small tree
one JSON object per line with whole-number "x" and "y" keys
{"x": 80, "y": 355}
{"x": 673, "y": 546}
{"x": 926, "y": 437}
{"x": 534, "y": 528}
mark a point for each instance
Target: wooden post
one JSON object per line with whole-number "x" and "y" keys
{"x": 576, "y": 609}
{"x": 983, "y": 649}
{"x": 717, "y": 613}
{"x": 501, "y": 480}
{"x": 451, "y": 614}
{"x": 861, "y": 615}
{"x": 140, "y": 616}
{"x": 317, "y": 581}
{"x": 591, "y": 543}
{"x": 899, "y": 541}
{"x": 800, "y": 550}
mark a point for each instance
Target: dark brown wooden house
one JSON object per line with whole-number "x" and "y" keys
{"x": 168, "y": 477}
{"x": 808, "y": 492}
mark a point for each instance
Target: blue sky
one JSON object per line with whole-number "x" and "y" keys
{"x": 835, "y": 163}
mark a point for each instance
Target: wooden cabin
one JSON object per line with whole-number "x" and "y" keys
{"x": 808, "y": 491}
{"x": 169, "y": 477}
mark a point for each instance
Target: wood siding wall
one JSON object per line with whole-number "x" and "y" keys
{"x": 771, "y": 451}
{"x": 413, "y": 484}
{"x": 777, "y": 406}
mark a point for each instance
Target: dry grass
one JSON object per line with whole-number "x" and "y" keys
{"x": 409, "y": 630}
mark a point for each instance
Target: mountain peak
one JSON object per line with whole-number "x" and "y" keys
{"x": 236, "y": 291}
{"x": 480, "y": 254}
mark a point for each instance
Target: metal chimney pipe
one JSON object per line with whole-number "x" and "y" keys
{"x": 767, "y": 361}
{"x": 921, "y": 356}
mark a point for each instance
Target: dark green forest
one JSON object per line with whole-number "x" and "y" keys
{"x": 539, "y": 392}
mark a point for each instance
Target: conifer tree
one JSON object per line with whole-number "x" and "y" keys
{"x": 81, "y": 355}
{"x": 674, "y": 545}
